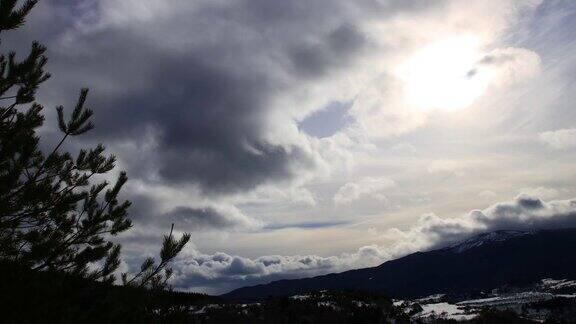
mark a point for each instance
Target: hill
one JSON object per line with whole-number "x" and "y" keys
{"x": 484, "y": 262}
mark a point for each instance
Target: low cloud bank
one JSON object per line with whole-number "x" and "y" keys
{"x": 525, "y": 212}
{"x": 220, "y": 272}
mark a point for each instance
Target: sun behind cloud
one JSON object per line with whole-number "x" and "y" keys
{"x": 442, "y": 75}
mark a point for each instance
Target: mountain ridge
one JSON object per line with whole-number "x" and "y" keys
{"x": 482, "y": 238}
{"x": 482, "y": 262}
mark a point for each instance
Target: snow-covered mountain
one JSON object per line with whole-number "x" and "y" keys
{"x": 483, "y": 262}
{"x": 484, "y": 238}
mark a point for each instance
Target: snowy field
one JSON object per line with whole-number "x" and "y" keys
{"x": 518, "y": 301}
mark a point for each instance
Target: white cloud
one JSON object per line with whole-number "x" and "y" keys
{"x": 509, "y": 65}
{"x": 405, "y": 148}
{"x": 487, "y": 194}
{"x": 561, "y": 139}
{"x": 420, "y": 200}
{"x": 541, "y": 192}
{"x": 220, "y": 272}
{"x": 523, "y": 213}
{"x": 446, "y": 167}
{"x": 373, "y": 188}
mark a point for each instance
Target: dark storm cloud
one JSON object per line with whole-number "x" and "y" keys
{"x": 145, "y": 213}
{"x": 208, "y": 128}
{"x": 201, "y": 77}
{"x": 346, "y": 39}
{"x": 528, "y": 213}
{"x": 185, "y": 92}
{"x": 203, "y": 218}
{"x": 317, "y": 59}
{"x": 206, "y": 96}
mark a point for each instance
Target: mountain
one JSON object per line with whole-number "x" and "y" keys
{"x": 481, "y": 239}
{"x": 483, "y": 262}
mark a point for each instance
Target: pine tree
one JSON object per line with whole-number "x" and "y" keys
{"x": 53, "y": 215}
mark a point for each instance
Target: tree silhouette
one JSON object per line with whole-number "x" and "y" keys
{"x": 53, "y": 214}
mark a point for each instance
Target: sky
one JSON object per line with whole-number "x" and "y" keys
{"x": 301, "y": 137}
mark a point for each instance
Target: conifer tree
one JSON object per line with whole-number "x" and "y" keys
{"x": 53, "y": 215}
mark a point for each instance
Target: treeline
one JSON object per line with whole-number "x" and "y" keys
{"x": 31, "y": 296}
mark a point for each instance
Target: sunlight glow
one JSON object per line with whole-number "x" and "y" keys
{"x": 443, "y": 75}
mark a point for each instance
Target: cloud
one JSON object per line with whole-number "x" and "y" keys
{"x": 306, "y": 225}
{"x": 487, "y": 194}
{"x": 150, "y": 212}
{"x": 541, "y": 192}
{"x": 446, "y": 167}
{"x": 221, "y": 272}
{"x": 220, "y": 86}
{"x": 561, "y": 139}
{"x": 214, "y": 108}
{"x": 366, "y": 188}
{"x": 202, "y": 101}
{"x": 510, "y": 65}
{"x": 295, "y": 195}
{"x": 420, "y": 200}
{"x": 210, "y": 218}
{"x": 207, "y": 96}
{"x": 523, "y": 213}
{"x": 404, "y": 148}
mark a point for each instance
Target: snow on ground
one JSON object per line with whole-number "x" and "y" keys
{"x": 446, "y": 310}
{"x": 431, "y": 298}
{"x": 329, "y": 304}
{"x": 397, "y": 302}
{"x": 481, "y": 239}
{"x": 300, "y": 297}
{"x": 511, "y": 300}
{"x": 468, "y": 309}
{"x": 359, "y": 303}
{"x": 553, "y": 284}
